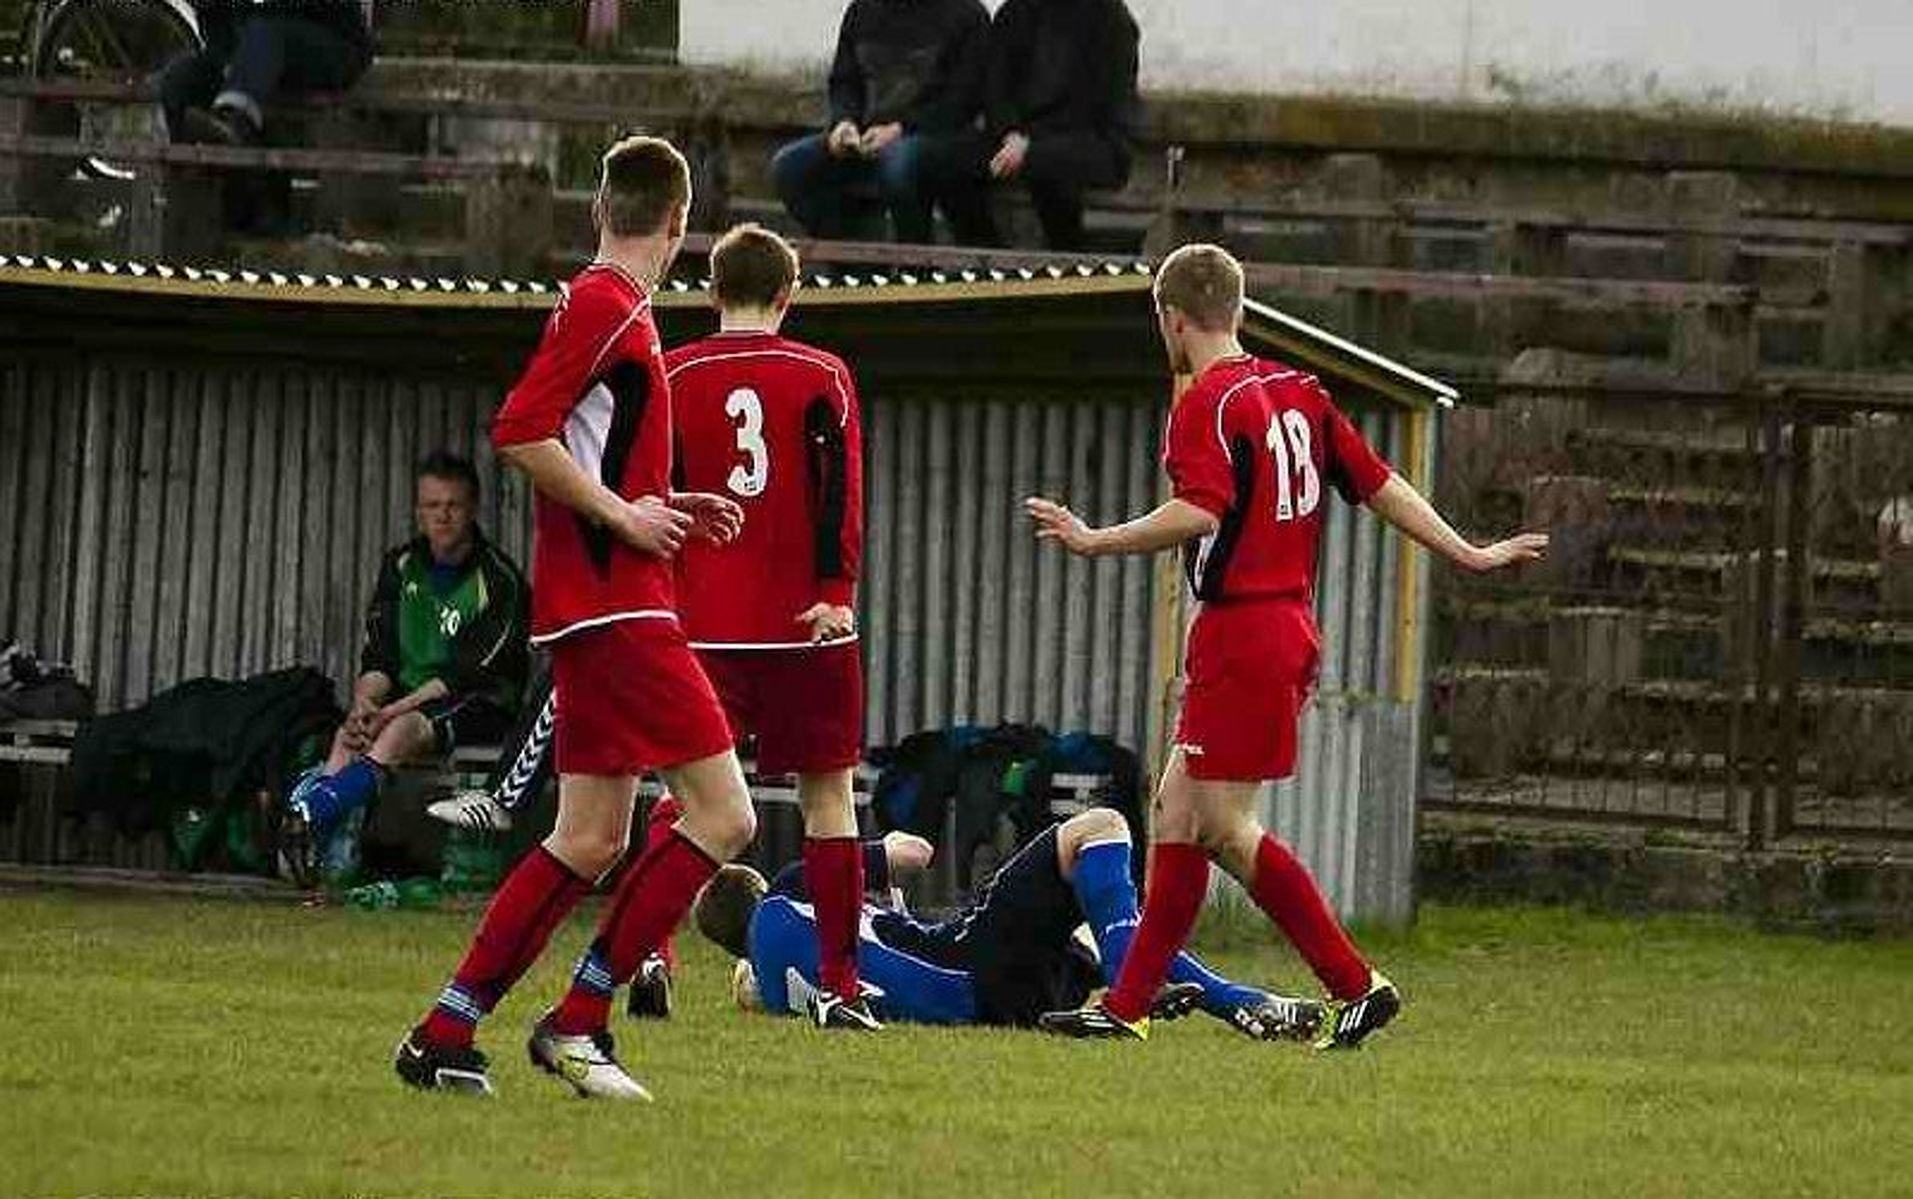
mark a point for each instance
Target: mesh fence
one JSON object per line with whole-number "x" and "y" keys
{"x": 1722, "y": 636}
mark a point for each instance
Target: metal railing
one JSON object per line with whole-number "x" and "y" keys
{"x": 1722, "y": 637}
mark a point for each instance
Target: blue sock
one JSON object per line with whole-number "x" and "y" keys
{"x": 341, "y": 794}
{"x": 1108, "y": 899}
{"x": 1219, "y": 995}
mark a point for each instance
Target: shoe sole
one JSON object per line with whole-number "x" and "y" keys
{"x": 1176, "y": 1001}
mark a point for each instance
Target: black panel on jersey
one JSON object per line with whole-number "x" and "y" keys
{"x": 630, "y": 386}
{"x": 830, "y": 484}
{"x": 1208, "y": 585}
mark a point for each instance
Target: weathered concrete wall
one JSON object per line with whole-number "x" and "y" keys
{"x": 1839, "y": 57}
{"x": 1847, "y": 891}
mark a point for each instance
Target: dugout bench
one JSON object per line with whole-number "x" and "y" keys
{"x": 39, "y": 831}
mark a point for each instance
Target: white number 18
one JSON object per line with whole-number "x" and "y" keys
{"x": 1293, "y": 445}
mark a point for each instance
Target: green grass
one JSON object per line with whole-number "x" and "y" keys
{"x": 173, "y": 1047}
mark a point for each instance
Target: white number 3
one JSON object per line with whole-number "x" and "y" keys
{"x": 747, "y": 410}
{"x": 1293, "y": 444}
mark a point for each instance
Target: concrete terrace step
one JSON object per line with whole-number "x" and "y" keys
{"x": 1719, "y": 459}
{"x": 1852, "y": 741}
{"x": 1842, "y": 581}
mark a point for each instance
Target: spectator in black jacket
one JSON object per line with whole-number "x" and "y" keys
{"x": 444, "y": 662}
{"x": 907, "y": 75}
{"x": 258, "y": 51}
{"x": 1061, "y": 103}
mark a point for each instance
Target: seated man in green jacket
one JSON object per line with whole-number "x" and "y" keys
{"x": 444, "y": 661}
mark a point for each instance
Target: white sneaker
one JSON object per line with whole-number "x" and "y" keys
{"x": 587, "y": 1064}
{"x": 475, "y": 810}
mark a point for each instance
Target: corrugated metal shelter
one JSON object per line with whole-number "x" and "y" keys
{"x": 198, "y": 471}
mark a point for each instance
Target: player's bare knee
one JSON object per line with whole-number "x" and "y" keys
{"x": 1177, "y": 818}
{"x": 588, "y": 853}
{"x": 726, "y": 828}
{"x": 1096, "y": 824}
{"x": 1087, "y": 828}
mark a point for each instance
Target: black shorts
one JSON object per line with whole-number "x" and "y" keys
{"x": 465, "y": 720}
{"x": 1016, "y": 939}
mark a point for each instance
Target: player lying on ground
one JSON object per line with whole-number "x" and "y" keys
{"x": 1008, "y": 956}
{"x": 1251, "y": 449}
{"x": 590, "y": 425}
{"x": 773, "y": 424}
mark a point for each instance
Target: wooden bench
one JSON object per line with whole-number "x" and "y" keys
{"x": 39, "y": 830}
{"x": 507, "y": 205}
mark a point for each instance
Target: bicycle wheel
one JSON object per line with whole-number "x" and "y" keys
{"x": 107, "y": 44}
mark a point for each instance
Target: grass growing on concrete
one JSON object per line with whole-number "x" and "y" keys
{"x": 185, "y": 1047}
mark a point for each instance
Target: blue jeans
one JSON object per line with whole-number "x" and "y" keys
{"x": 845, "y": 198}
{"x": 268, "y": 57}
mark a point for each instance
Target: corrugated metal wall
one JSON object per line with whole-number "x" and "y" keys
{"x": 162, "y": 522}
{"x": 158, "y": 523}
{"x": 967, "y": 618}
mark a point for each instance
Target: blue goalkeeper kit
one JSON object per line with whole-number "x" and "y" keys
{"x": 783, "y": 943}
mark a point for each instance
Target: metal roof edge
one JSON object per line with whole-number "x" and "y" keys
{"x": 1384, "y": 374}
{"x": 354, "y": 289}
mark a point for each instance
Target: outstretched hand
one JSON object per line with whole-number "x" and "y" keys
{"x": 715, "y": 518}
{"x": 1515, "y": 551}
{"x": 1056, "y": 523}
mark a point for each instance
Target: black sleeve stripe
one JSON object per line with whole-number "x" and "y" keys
{"x": 1214, "y": 572}
{"x": 829, "y": 485}
{"x": 630, "y": 387}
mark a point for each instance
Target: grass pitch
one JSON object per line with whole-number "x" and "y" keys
{"x": 178, "y": 1047}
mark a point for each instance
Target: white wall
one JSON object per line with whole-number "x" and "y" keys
{"x": 1843, "y": 58}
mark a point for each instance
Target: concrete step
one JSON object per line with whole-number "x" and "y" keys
{"x": 1657, "y": 641}
{"x": 1723, "y": 459}
{"x": 1840, "y": 582}
{"x": 1500, "y": 721}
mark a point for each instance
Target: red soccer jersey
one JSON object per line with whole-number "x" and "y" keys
{"x": 1252, "y": 443}
{"x": 773, "y": 424}
{"x": 596, "y": 384}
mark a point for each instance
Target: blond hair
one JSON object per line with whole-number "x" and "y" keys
{"x": 751, "y": 266}
{"x": 644, "y": 180}
{"x": 1204, "y": 283}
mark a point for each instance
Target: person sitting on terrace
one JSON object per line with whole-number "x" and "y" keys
{"x": 907, "y": 74}
{"x": 444, "y": 663}
{"x": 1061, "y": 106}
{"x": 257, "y": 52}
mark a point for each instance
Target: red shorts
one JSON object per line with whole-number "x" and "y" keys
{"x": 632, "y": 698}
{"x": 805, "y": 706}
{"x": 1249, "y": 669}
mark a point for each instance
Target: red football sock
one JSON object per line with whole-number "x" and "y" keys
{"x": 1284, "y": 890}
{"x": 532, "y": 902}
{"x": 834, "y": 876}
{"x": 1178, "y": 883}
{"x": 652, "y": 898}
{"x": 657, "y": 829}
